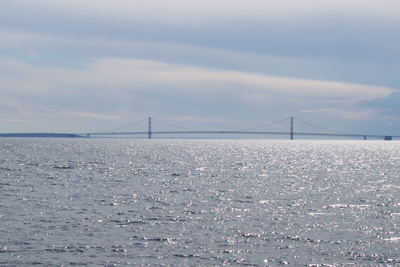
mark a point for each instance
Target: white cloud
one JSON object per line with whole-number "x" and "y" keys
{"x": 346, "y": 114}
{"x": 136, "y": 74}
{"x": 113, "y": 75}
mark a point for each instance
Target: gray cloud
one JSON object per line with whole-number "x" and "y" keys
{"x": 236, "y": 63}
{"x": 323, "y": 34}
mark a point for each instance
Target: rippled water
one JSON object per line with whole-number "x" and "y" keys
{"x": 104, "y": 202}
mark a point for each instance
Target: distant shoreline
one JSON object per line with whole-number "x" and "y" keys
{"x": 50, "y": 135}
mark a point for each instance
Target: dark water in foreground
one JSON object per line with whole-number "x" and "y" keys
{"x": 199, "y": 202}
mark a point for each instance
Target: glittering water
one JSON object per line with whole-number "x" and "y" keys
{"x": 102, "y": 202}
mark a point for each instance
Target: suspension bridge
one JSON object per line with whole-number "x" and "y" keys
{"x": 250, "y": 131}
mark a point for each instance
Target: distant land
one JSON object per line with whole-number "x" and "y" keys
{"x": 52, "y": 135}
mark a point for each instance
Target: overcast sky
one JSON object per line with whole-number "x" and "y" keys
{"x": 86, "y": 66}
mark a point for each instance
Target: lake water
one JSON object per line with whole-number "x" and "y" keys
{"x": 121, "y": 202}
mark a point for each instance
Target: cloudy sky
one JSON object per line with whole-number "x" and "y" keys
{"x": 86, "y": 66}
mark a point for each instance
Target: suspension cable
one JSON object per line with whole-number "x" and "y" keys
{"x": 326, "y": 129}
{"x": 265, "y": 125}
{"x": 112, "y": 130}
{"x": 184, "y": 128}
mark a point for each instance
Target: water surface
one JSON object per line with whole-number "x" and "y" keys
{"x": 106, "y": 202}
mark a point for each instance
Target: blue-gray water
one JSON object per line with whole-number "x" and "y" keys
{"x": 105, "y": 202}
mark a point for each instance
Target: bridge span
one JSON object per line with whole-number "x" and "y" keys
{"x": 149, "y": 133}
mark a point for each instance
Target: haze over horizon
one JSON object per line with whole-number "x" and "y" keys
{"x": 87, "y": 66}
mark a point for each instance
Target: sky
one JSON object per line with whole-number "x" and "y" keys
{"x": 88, "y": 66}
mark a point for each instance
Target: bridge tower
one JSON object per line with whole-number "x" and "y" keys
{"x": 149, "y": 128}
{"x": 291, "y": 128}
